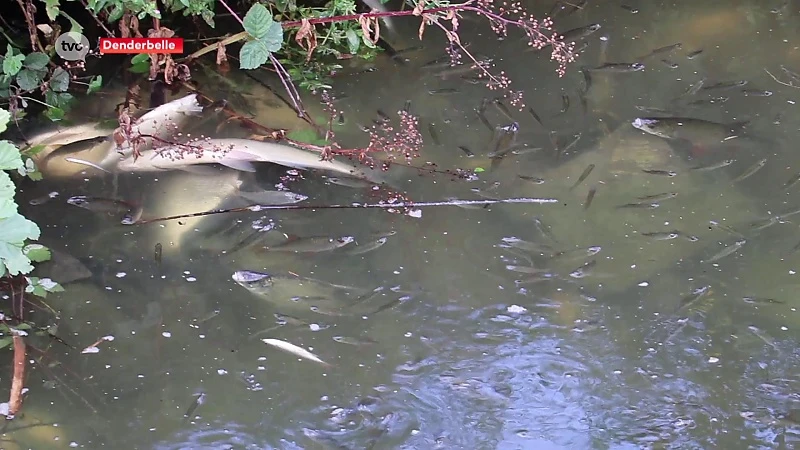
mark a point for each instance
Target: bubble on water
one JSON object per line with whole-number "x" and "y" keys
{"x": 713, "y": 360}
{"x": 222, "y": 372}
{"x": 191, "y": 279}
{"x": 314, "y": 327}
{"x": 166, "y": 334}
{"x": 516, "y": 309}
{"x": 644, "y": 284}
{"x": 121, "y": 274}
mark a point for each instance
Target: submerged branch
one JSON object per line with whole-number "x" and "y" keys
{"x": 390, "y": 206}
{"x": 15, "y": 400}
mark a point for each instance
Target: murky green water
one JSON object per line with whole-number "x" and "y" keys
{"x": 459, "y": 355}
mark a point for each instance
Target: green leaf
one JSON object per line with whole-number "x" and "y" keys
{"x": 95, "y": 84}
{"x": 10, "y": 158}
{"x": 6, "y": 341}
{"x": 74, "y": 25}
{"x": 37, "y": 252}
{"x": 307, "y": 135}
{"x": 353, "y": 40}
{"x": 54, "y": 114}
{"x": 36, "y": 61}
{"x": 479, "y": 170}
{"x": 5, "y": 117}
{"x": 59, "y": 82}
{"x": 257, "y": 21}
{"x": 252, "y": 55}
{"x": 33, "y": 151}
{"x": 367, "y": 42}
{"x": 8, "y": 207}
{"x": 14, "y": 231}
{"x": 51, "y": 8}
{"x": 274, "y": 37}
{"x": 12, "y": 63}
{"x": 140, "y": 58}
{"x": 28, "y": 80}
{"x": 35, "y": 175}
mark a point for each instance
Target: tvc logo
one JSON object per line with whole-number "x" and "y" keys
{"x": 72, "y": 46}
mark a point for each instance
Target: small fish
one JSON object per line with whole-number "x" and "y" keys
{"x": 728, "y": 250}
{"x": 198, "y": 400}
{"x": 578, "y": 253}
{"x": 756, "y": 93}
{"x": 461, "y": 69}
{"x": 532, "y": 179}
{"x": 503, "y": 140}
{"x": 295, "y": 350}
{"x": 133, "y": 216}
{"x": 434, "y": 134}
{"x": 370, "y": 243}
{"x": 586, "y": 172}
{"x": 313, "y": 244}
{"x": 383, "y": 117}
{"x": 751, "y": 170}
{"x": 709, "y": 101}
{"x": 670, "y": 64}
{"x": 792, "y": 181}
{"x": 101, "y": 205}
{"x": 722, "y": 85}
{"x": 791, "y": 74}
{"x": 652, "y": 109}
{"x": 514, "y": 242}
{"x": 443, "y": 91}
{"x": 535, "y": 116}
{"x": 714, "y": 166}
{"x": 762, "y": 301}
{"x": 663, "y": 235}
{"x": 574, "y": 34}
{"x": 660, "y": 50}
{"x": 642, "y": 205}
{"x": 564, "y": 103}
{"x": 619, "y": 67}
{"x": 356, "y": 183}
{"x": 589, "y": 197}
{"x": 525, "y": 269}
{"x": 157, "y": 253}
{"x": 657, "y": 197}
{"x": 694, "y": 54}
{"x": 349, "y": 340}
{"x": 584, "y": 270}
{"x": 665, "y": 173}
{"x": 544, "y": 230}
{"x": 761, "y": 335}
{"x": 43, "y": 199}
{"x": 340, "y": 119}
{"x": 501, "y": 106}
{"x": 693, "y": 298}
{"x": 725, "y": 228}
{"x": 630, "y": 9}
{"x": 466, "y": 151}
{"x": 587, "y": 79}
{"x": 563, "y": 151}
{"x": 407, "y": 106}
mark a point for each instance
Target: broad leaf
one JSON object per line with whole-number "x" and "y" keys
{"x": 59, "y": 82}
{"x": 252, "y": 55}
{"x": 12, "y": 63}
{"x": 28, "y": 80}
{"x": 5, "y": 117}
{"x": 257, "y": 21}
{"x": 14, "y": 231}
{"x": 36, "y": 61}
{"x": 51, "y": 8}
{"x": 8, "y": 207}
{"x": 10, "y": 159}
{"x": 37, "y": 252}
{"x": 95, "y": 84}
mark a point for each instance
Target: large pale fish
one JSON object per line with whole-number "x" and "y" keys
{"x": 239, "y": 154}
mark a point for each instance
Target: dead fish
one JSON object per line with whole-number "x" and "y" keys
{"x": 694, "y": 54}
{"x": 313, "y": 244}
{"x": 295, "y": 350}
{"x": 714, "y": 166}
{"x": 751, "y": 170}
{"x": 273, "y": 197}
{"x": 658, "y": 197}
{"x": 619, "y": 67}
{"x": 665, "y": 173}
{"x": 589, "y": 197}
{"x": 586, "y": 172}
{"x": 729, "y": 249}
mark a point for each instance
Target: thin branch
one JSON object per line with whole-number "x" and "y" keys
{"x": 781, "y": 82}
{"x": 94, "y": 16}
{"x": 15, "y": 400}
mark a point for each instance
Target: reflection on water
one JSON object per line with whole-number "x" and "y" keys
{"x": 619, "y": 325}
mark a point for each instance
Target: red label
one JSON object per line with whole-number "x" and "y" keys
{"x": 141, "y": 45}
